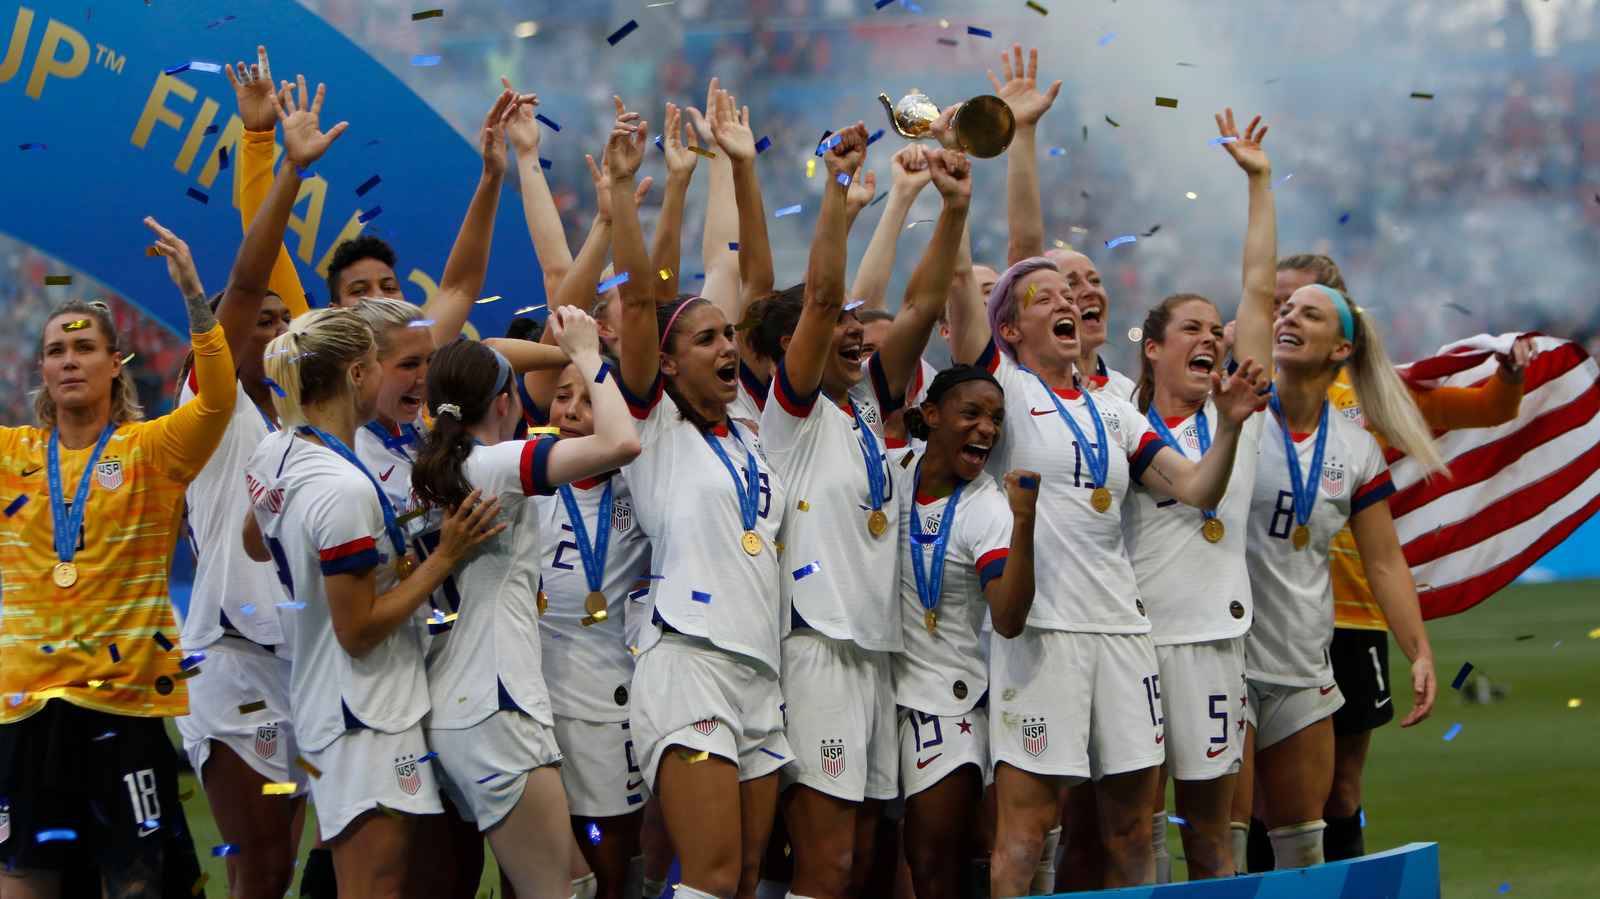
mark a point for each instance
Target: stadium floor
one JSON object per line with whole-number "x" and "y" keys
{"x": 1512, "y": 799}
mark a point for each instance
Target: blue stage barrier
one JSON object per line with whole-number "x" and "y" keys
{"x": 1409, "y": 872}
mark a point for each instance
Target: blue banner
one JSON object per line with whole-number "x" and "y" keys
{"x": 121, "y": 141}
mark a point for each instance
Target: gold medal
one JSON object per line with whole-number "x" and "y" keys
{"x": 931, "y": 619}
{"x": 403, "y": 567}
{"x": 65, "y": 574}
{"x": 595, "y": 605}
{"x": 752, "y": 543}
{"x": 1302, "y": 536}
{"x": 1213, "y": 530}
{"x": 877, "y": 522}
{"x": 1101, "y": 499}
{"x": 544, "y": 601}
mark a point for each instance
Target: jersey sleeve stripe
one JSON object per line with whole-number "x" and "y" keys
{"x": 753, "y": 385}
{"x": 792, "y": 402}
{"x": 535, "y": 467}
{"x": 1149, "y": 446}
{"x": 887, "y": 405}
{"x": 1379, "y": 488}
{"x": 992, "y": 564}
{"x": 989, "y": 359}
{"x": 531, "y": 413}
{"x": 641, "y": 406}
{"x": 352, "y": 556}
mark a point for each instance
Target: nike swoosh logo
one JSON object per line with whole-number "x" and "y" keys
{"x": 1160, "y": 737}
{"x": 636, "y": 784}
{"x": 1380, "y": 704}
{"x": 385, "y": 475}
{"x": 146, "y": 831}
{"x": 1328, "y": 689}
{"x": 1045, "y": 412}
{"x": 30, "y": 472}
{"x": 923, "y": 764}
{"x": 1213, "y": 754}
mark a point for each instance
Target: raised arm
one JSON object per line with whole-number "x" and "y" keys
{"x": 252, "y": 87}
{"x": 909, "y": 174}
{"x": 717, "y": 253}
{"x": 1024, "y": 215}
{"x": 667, "y": 247}
{"x": 863, "y": 187}
{"x": 538, "y": 206}
{"x": 1253, "y": 325}
{"x": 614, "y": 442}
{"x": 529, "y": 356}
{"x": 969, "y": 318}
{"x": 1494, "y": 402}
{"x": 732, "y": 126}
{"x": 468, "y": 264}
{"x": 1202, "y": 484}
{"x": 929, "y": 287}
{"x": 638, "y": 341}
{"x": 1396, "y": 593}
{"x": 808, "y": 349}
{"x": 1010, "y": 595}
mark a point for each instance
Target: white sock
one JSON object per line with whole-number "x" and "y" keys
{"x": 1158, "y": 842}
{"x": 771, "y": 889}
{"x": 1044, "y": 876}
{"x": 1239, "y": 837}
{"x": 654, "y": 888}
{"x": 689, "y": 892}
{"x": 633, "y": 887}
{"x": 1298, "y": 845}
{"x": 585, "y": 887}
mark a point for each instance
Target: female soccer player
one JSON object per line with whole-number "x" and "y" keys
{"x": 233, "y": 615}
{"x": 1087, "y": 625}
{"x": 967, "y": 547}
{"x": 1316, "y": 471}
{"x": 95, "y": 497}
{"x": 358, "y": 691}
{"x": 706, "y": 717}
{"x": 491, "y": 722}
{"x": 819, "y": 434}
{"x": 1199, "y": 639}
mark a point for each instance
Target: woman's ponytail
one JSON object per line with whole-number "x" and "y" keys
{"x": 1386, "y": 402}
{"x": 310, "y": 363}
{"x": 464, "y": 380}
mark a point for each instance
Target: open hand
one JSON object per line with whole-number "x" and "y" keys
{"x": 702, "y": 124}
{"x": 492, "y": 139}
{"x": 1424, "y": 689}
{"x": 252, "y": 86}
{"x": 625, "y": 146}
{"x": 180, "y": 264}
{"x": 521, "y": 128}
{"x": 1512, "y": 363}
{"x": 467, "y": 527}
{"x": 676, "y": 138}
{"x": 602, "y": 188}
{"x": 1246, "y": 151}
{"x": 574, "y": 331}
{"x": 303, "y": 141}
{"x": 1021, "y": 87}
{"x": 731, "y": 124}
{"x": 1241, "y": 395}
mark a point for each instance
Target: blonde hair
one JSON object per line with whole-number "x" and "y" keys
{"x": 1386, "y": 402}
{"x": 311, "y": 362}
{"x": 124, "y": 395}
{"x": 383, "y": 315}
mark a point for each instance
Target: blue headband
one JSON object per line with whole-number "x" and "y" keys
{"x": 1346, "y": 319}
{"x": 503, "y": 380}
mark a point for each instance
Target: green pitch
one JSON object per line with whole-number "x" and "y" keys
{"x": 1514, "y": 798}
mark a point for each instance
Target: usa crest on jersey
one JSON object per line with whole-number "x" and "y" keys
{"x": 706, "y": 726}
{"x": 267, "y": 740}
{"x": 833, "y": 757}
{"x": 407, "y": 775}
{"x": 1113, "y": 425}
{"x": 1034, "y": 738}
{"x": 1191, "y": 436}
{"x": 109, "y": 474}
{"x": 1333, "y": 478}
{"x": 621, "y": 517}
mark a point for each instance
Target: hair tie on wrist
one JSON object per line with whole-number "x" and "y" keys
{"x": 449, "y": 409}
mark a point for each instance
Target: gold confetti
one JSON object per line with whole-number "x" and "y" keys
{"x": 410, "y": 516}
{"x": 1037, "y": 8}
{"x": 906, "y": 462}
{"x": 487, "y": 299}
{"x": 391, "y": 812}
{"x": 52, "y": 280}
{"x": 307, "y": 767}
{"x": 1595, "y": 634}
{"x": 666, "y": 274}
{"x": 277, "y": 789}
{"x": 811, "y": 167}
{"x": 1168, "y": 102}
{"x": 428, "y": 14}
{"x": 804, "y": 506}
{"x": 919, "y": 222}
{"x": 1574, "y": 703}
{"x": 544, "y": 430}
{"x": 778, "y": 544}
{"x": 1191, "y": 195}
{"x": 129, "y": 358}
{"x": 1112, "y": 122}
{"x": 200, "y": 884}
{"x": 748, "y": 323}
{"x": 1420, "y": 96}
{"x": 78, "y": 325}
{"x": 185, "y": 675}
{"x": 84, "y": 646}
{"x": 702, "y": 151}
{"x": 687, "y": 758}
{"x": 154, "y": 251}
{"x": 257, "y": 706}
{"x": 186, "y": 795}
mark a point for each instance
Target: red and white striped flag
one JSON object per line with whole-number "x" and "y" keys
{"x": 1516, "y": 490}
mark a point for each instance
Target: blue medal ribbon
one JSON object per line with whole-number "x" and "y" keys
{"x": 750, "y": 494}
{"x": 396, "y": 536}
{"x": 1202, "y": 430}
{"x": 876, "y": 478}
{"x": 1099, "y": 456}
{"x": 594, "y": 555}
{"x": 930, "y": 583}
{"x": 408, "y": 437}
{"x": 67, "y": 525}
{"x": 1305, "y": 489}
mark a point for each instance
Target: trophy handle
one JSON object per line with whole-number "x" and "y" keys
{"x": 888, "y": 107}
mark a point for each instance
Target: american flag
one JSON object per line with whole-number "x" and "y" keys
{"x": 1516, "y": 490}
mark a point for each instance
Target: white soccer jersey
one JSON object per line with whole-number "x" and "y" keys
{"x": 321, "y": 517}
{"x": 752, "y": 398}
{"x": 230, "y": 588}
{"x": 945, "y": 672}
{"x": 1109, "y": 380}
{"x": 1195, "y": 590}
{"x": 1293, "y": 589}
{"x": 920, "y": 382}
{"x": 685, "y": 499}
{"x": 819, "y": 450}
{"x": 589, "y": 670}
{"x": 389, "y": 456}
{"x": 488, "y": 661}
{"x": 1087, "y": 585}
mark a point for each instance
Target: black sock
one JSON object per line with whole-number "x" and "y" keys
{"x": 1343, "y": 838}
{"x": 317, "y": 881}
{"x": 180, "y": 868}
{"x": 1258, "y": 850}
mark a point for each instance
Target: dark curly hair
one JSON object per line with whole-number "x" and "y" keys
{"x": 365, "y": 246}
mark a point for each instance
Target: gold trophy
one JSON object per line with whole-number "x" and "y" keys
{"x": 983, "y": 126}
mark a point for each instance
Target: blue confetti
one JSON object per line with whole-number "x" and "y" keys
{"x": 1220, "y": 140}
{"x": 194, "y": 66}
{"x": 763, "y": 144}
{"x": 843, "y": 179}
{"x": 212, "y": 129}
{"x": 1108, "y": 38}
{"x": 851, "y": 307}
{"x": 224, "y": 849}
{"x": 32, "y": 147}
{"x": 47, "y": 836}
{"x": 428, "y": 758}
{"x": 774, "y": 754}
{"x": 115, "y": 655}
{"x": 370, "y": 214}
{"x": 47, "y": 650}
{"x": 881, "y": 4}
{"x": 105, "y": 736}
{"x": 697, "y": 596}
{"x": 622, "y": 32}
{"x": 1028, "y": 483}
{"x": 16, "y": 505}
{"x": 829, "y": 143}
{"x": 813, "y": 568}
{"x": 1363, "y": 817}
{"x": 424, "y": 60}
{"x": 489, "y": 778}
{"x": 875, "y": 137}
{"x": 248, "y": 608}
{"x": 222, "y": 157}
{"x": 878, "y": 198}
{"x": 1119, "y": 241}
{"x": 220, "y": 21}
{"x": 949, "y": 42}
{"x": 1281, "y": 180}
{"x": 290, "y": 605}
{"x": 199, "y": 196}
{"x": 304, "y": 173}
{"x": 1179, "y": 821}
{"x": 1461, "y": 676}
{"x": 1451, "y": 733}
{"x": 612, "y": 282}
{"x": 605, "y": 369}
{"x": 594, "y": 834}
{"x": 1344, "y": 218}
{"x": 367, "y": 185}
{"x": 733, "y": 246}
{"x": 162, "y": 641}
{"x": 279, "y": 391}
{"x": 1058, "y": 152}
{"x": 1504, "y": 887}
{"x": 192, "y": 660}
{"x": 544, "y": 163}
{"x": 787, "y": 210}
{"x": 980, "y": 32}
{"x": 541, "y": 117}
